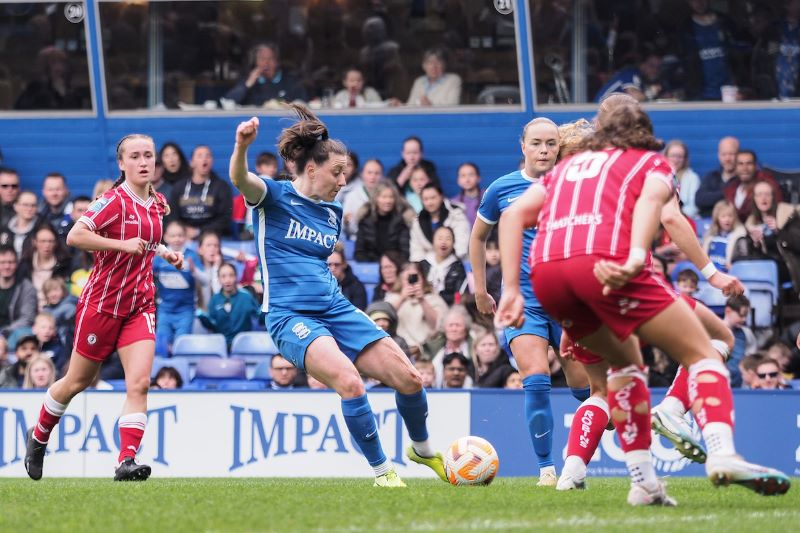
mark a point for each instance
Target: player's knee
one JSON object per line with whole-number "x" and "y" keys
{"x": 138, "y": 385}
{"x": 350, "y": 385}
{"x": 411, "y": 383}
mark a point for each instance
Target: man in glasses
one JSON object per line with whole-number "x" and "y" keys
{"x": 769, "y": 375}
{"x": 9, "y": 190}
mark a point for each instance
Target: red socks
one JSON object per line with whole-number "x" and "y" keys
{"x": 680, "y": 388}
{"x": 131, "y": 430}
{"x": 710, "y": 392}
{"x": 587, "y": 428}
{"x": 49, "y": 415}
{"x": 630, "y": 407}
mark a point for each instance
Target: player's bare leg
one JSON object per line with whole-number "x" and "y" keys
{"x": 79, "y": 376}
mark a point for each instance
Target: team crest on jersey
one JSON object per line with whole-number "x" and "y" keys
{"x": 91, "y": 339}
{"x": 99, "y": 204}
{"x": 333, "y": 220}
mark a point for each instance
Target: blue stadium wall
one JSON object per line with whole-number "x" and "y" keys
{"x": 83, "y": 148}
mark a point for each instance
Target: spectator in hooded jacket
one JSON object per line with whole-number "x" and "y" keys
{"x": 385, "y": 317}
{"x": 350, "y": 285}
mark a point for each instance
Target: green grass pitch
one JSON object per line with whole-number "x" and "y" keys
{"x": 353, "y": 505}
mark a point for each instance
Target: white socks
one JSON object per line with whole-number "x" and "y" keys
{"x": 382, "y": 468}
{"x": 640, "y": 467}
{"x": 719, "y": 439}
{"x": 423, "y": 448}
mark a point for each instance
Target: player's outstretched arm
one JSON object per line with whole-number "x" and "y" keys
{"x": 80, "y": 236}
{"x": 683, "y": 236}
{"x": 250, "y": 185}
{"x": 477, "y": 258}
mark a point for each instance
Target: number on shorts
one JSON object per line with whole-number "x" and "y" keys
{"x": 150, "y": 318}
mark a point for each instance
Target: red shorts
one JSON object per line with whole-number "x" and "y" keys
{"x": 583, "y": 355}
{"x": 570, "y": 293}
{"x": 97, "y": 335}
{"x": 689, "y": 300}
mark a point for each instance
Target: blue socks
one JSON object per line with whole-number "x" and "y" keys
{"x": 539, "y": 415}
{"x": 581, "y": 394}
{"x": 414, "y": 410}
{"x": 361, "y": 423}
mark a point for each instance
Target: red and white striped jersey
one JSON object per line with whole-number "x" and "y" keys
{"x": 122, "y": 284}
{"x": 590, "y": 199}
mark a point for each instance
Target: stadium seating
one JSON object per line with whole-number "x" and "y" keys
{"x": 217, "y": 368}
{"x": 194, "y": 345}
{"x": 760, "y": 278}
{"x": 712, "y": 298}
{"x": 179, "y": 364}
{"x": 116, "y": 384}
{"x": 261, "y": 372}
{"x": 367, "y": 272}
{"x": 240, "y": 385}
{"x": 370, "y": 288}
{"x": 249, "y": 343}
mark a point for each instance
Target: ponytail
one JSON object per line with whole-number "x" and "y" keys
{"x": 307, "y": 140}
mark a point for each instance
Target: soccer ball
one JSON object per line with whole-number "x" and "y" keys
{"x": 471, "y": 461}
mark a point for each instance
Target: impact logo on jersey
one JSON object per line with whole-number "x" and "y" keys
{"x": 99, "y": 204}
{"x": 298, "y": 230}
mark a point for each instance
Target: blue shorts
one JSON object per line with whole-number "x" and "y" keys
{"x": 538, "y": 323}
{"x": 350, "y": 327}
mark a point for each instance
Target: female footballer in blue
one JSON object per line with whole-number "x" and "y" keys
{"x": 528, "y": 343}
{"x": 296, "y": 224}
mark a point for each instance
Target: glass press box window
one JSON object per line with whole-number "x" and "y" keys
{"x": 665, "y": 50}
{"x": 43, "y": 59}
{"x": 336, "y": 54}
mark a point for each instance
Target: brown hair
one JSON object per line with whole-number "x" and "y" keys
{"x": 307, "y": 140}
{"x": 625, "y": 126}
{"x": 151, "y": 191}
{"x": 537, "y": 120}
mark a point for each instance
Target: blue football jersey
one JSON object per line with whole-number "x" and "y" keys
{"x": 175, "y": 289}
{"x": 498, "y": 197}
{"x": 294, "y": 237}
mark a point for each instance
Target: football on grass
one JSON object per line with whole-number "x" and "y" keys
{"x": 471, "y": 461}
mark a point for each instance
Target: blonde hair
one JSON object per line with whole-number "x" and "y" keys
{"x": 570, "y": 136}
{"x": 27, "y": 383}
{"x": 719, "y": 207}
{"x": 151, "y": 191}
{"x": 101, "y": 186}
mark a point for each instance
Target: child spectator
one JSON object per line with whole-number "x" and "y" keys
{"x": 737, "y": 308}
{"x": 206, "y": 271}
{"x": 354, "y": 93}
{"x": 747, "y": 367}
{"x": 726, "y": 238}
{"x": 513, "y": 380}
{"x": 79, "y": 207}
{"x": 101, "y": 186}
{"x": 444, "y": 271}
{"x": 175, "y": 290}
{"x": 494, "y": 273}
{"x": 425, "y": 369}
{"x": 413, "y": 190}
{"x": 687, "y": 282}
{"x": 50, "y": 345}
{"x": 40, "y": 373}
{"x": 789, "y": 362}
{"x": 232, "y": 310}
{"x": 61, "y": 305}
{"x": 167, "y": 378}
{"x": 469, "y": 181}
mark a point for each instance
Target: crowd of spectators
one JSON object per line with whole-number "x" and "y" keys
{"x": 398, "y": 225}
